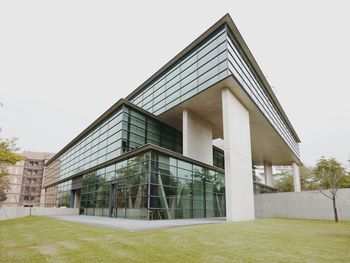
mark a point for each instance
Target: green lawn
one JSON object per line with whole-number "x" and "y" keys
{"x": 42, "y": 239}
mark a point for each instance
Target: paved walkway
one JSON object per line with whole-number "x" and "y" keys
{"x": 137, "y": 225}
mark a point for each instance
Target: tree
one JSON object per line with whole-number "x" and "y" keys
{"x": 284, "y": 181}
{"x": 307, "y": 181}
{"x": 7, "y": 157}
{"x": 330, "y": 174}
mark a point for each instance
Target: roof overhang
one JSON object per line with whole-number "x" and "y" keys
{"x": 267, "y": 145}
{"x": 224, "y": 20}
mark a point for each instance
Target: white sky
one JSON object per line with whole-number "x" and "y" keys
{"x": 63, "y": 63}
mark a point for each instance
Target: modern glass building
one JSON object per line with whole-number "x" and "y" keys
{"x": 183, "y": 144}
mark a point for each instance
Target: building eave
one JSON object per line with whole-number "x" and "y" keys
{"x": 224, "y": 20}
{"x": 252, "y": 60}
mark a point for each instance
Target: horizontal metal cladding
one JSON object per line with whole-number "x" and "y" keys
{"x": 202, "y": 67}
{"x": 124, "y": 130}
{"x": 215, "y": 58}
{"x": 101, "y": 143}
{"x": 242, "y": 70}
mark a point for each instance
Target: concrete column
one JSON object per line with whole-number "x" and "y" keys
{"x": 42, "y": 197}
{"x": 77, "y": 198}
{"x": 197, "y": 138}
{"x": 238, "y": 160}
{"x": 296, "y": 177}
{"x": 268, "y": 173}
{"x": 72, "y": 199}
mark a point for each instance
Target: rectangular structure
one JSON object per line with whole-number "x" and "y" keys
{"x": 26, "y": 179}
{"x": 238, "y": 162}
{"x": 151, "y": 156}
{"x": 197, "y": 138}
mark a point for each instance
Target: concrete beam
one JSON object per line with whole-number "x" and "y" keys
{"x": 238, "y": 159}
{"x": 296, "y": 177}
{"x": 197, "y": 138}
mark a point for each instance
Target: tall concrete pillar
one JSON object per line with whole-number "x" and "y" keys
{"x": 77, "y": 198}
{"x": 238, "y": 159}
{"x": 42, "y": 197}
{"x": 268, "y": 173}
{"x": 197, "y": 137}
{"x": 296, "y": 177}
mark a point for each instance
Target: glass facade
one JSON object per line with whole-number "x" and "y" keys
{"x": 218, "y": 158}
{"x": 205, "y": 65}
{"x": 149, "y": 185}
{"x": 181, "y": 189}
{"x": 59, "y": 195}
{"x": 105, "y": 173}
{"x": 240, "y": 67}
{"x": 216, "y": 58}
{"x": 126, "y": 129}
{"x": 139, "y": 129}
{"x": 118, "y": 190}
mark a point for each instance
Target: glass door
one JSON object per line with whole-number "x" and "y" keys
{"x": 112, "y": 200}
{"x": 118, "y": 199}
{"x": 121, "y": 202}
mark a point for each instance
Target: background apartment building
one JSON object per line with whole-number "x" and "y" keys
{"x": 26, "y": 179}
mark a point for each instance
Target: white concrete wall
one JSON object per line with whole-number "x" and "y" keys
{"x": 197, "y": 138}
{"x": 238, "y": 159}
{"x": 303, "y": 205}
{"x": 8, "y": 212}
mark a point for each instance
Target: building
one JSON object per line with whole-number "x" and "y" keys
{"x": 183, "y": 144}
{"x": 26, "y": 179}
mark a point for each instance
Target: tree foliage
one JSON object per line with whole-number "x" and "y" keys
{"x": 284, "y": 181}
{"x": 331, "y": 175}
{"x": 7, "y": 157}
{"x": 309, "y": 179}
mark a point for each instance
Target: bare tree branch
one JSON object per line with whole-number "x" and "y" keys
{"x": 326, "y": 195}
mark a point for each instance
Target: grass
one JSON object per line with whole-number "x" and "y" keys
{"x": 43, "y": 239}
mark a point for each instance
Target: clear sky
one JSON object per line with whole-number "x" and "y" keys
{"x": 63, "y": 63}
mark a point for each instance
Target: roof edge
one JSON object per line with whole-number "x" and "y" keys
{"x": 99, "y": 120}
{"x": 229, "y": 21}
{"x": 225, "y": 19}
{"x": 258, "y": 70}
{"x": 179, "y": 55}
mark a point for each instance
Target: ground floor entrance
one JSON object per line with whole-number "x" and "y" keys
{"x": 118, "y": 198}
{"x": 150, "y": 186}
